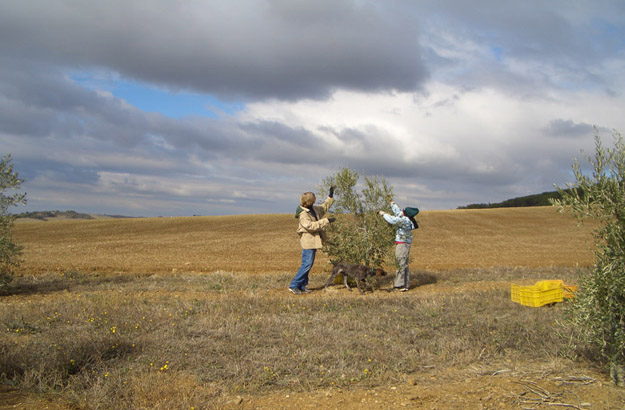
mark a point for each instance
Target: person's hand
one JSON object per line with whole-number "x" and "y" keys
{"x": 381, "y": 212}
{"x": 331, "y": 219}
{"x": 331, "y": 194}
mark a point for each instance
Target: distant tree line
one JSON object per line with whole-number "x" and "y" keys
{"x": 44, "y": 215}
{"x": 523, "y": 201}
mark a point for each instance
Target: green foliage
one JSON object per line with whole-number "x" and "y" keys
{"x": 599, "y": 308}
{"x": 359, "y": 235}
{"x": 44, "y": 215}
{"x": 543, "y": 199}
{"x": 9, "y": 250}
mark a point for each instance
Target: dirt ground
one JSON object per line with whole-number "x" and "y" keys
{"x": 503, "y": 387}
{"x": 509, "y": 386}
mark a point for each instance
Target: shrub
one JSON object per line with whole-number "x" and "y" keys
{"x": 599, "y": 308}
{"x": 9, "y": 250}
{"x": 359, "y": 235}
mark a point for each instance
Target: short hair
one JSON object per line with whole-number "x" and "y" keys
{"x": 308, "y": 199}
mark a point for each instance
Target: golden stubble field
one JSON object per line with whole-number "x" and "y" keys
{"x": 530, "y": 237}
{"x": 193, "y": 312}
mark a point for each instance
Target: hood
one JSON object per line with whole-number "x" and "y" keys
{"x": 298, "y": 211}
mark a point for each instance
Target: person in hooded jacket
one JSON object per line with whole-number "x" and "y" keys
{"x": 404, "y": 221}
{"x": 311, "y": 235}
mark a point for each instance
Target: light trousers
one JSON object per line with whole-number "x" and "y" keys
{"x": 402, "y": 258}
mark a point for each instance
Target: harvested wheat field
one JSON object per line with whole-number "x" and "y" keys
{"x": 531, "y": 237}
{"x": 193, "y": 313}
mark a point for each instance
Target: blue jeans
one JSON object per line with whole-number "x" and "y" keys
{"x": 300, "y": 281}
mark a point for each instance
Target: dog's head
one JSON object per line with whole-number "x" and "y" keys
{"x": 377, "y": 272}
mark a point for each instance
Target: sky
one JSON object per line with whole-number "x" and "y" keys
{"x": 180, "y": 108}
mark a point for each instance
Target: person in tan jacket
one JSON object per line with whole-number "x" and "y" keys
{"x": 311, "y": 235}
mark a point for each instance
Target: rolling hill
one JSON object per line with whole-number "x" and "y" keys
{"x": 534, "y": 236}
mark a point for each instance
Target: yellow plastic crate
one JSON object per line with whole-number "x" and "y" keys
{"x": 541, "y": 294}
{"x": 568, "y": 291}
{"x": 548, "y": 284}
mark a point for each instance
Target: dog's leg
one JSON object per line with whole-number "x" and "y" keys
{"x": 331, "y": 278}
{"x": 345, "y": 281}
{"x": 359, "y": 288}
{"x": 368, "y": 284}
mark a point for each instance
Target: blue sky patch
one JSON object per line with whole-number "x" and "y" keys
{"x": 154, "y": 99}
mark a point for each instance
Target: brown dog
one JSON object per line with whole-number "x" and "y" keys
{"x": 359, "y": 273}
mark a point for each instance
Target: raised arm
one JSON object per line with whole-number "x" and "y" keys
{"x": 396, "y": 209}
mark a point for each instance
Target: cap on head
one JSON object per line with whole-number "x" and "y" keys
{"x": 411, "y": 212}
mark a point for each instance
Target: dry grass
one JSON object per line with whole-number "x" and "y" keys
{"x": 184, "y": 340}
{"x": 190, "y": 312}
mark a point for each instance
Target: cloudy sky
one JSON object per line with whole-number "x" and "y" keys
{"x": 171, "y": 107}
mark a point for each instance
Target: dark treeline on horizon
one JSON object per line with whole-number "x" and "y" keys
{"x": 523, "y": 201}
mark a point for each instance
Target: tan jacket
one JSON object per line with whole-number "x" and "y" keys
{"x": 310, "y": 230}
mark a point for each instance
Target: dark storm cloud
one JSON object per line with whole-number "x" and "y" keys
{"x": 258, "y": 49}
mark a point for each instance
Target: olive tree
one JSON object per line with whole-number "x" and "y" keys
{"x": 598, "y": 311}
{"x": 359, "y": 235}
{"x": 9, "y": 250}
